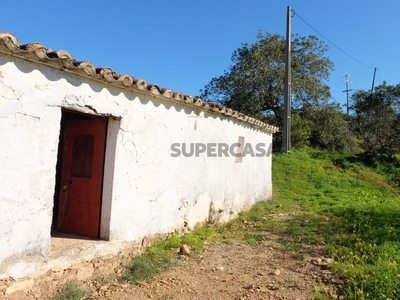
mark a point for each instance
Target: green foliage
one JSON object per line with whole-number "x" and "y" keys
{"x": 254, "y": 83}
{"x": 71, "y": 291}
{"x": 322, "y": 126}
{"x": 301, "y": 129}
{"x": 172, "y": 242}
{"x": 161, "y": 256}
{"x": 157, "y": 258}
{"x": 377, "y": 120}
{"x": 330, "y": 129}
{"x": 320, "y": 296}
{"x": 351, "y": 209}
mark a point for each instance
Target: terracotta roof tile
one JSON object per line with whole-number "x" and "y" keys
{"x": 61, "y": 59}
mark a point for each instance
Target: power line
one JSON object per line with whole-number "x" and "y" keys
{"x": 295, "y": 14}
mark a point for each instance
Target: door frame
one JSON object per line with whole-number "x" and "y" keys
{"x": 108, "y": 169}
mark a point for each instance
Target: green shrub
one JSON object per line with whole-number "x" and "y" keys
{"x": 71, "y": 291}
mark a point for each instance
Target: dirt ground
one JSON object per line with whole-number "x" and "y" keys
{"x": 223, "y": 271}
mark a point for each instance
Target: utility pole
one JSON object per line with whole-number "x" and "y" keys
{"x": 373, "y": 81}
{"x": 287, "y": 104}
{"x": 347, "y": 92}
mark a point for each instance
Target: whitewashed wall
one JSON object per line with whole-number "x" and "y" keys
{"x": 168, "y": 191}
{"x": 146, "y": 191}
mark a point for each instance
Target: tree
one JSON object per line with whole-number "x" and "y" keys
{"x": 330, "y": 130}
{"x": 376, "y": 119}
{"x": 254, "y": 83}
{"x": 322, "y": 126}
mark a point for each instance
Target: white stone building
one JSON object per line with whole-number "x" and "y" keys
{"x": 89, "y": 152}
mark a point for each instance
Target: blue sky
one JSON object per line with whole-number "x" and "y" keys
{"x": 181, "y": 45}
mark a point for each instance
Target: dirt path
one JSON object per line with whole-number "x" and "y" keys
{"x": 233, "y": 271}
{"x": 223, "y": 271}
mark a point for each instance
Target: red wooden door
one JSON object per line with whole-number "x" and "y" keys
{"x": 82, "y": 177}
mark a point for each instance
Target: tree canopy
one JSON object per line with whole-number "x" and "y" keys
{"x": 254, "y": 84}
{"x": 377, "y": 119}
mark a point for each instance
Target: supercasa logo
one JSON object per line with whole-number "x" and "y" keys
{"x": 239, "y": 149}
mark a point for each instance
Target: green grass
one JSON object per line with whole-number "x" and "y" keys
{"x": 71, "y": 291}
{"x": 156, "y": 259}
{"x": 348, "y": 204}
{"x": 362, "y": 205}
{"x": 162, "y": 255}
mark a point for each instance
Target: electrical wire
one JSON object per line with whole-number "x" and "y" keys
{"x": 296, "y": 14}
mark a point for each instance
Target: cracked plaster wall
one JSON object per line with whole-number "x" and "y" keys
{"x": 29, "y": 123}
{"x": 146, "y": 190}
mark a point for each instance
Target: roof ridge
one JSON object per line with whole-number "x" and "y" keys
{"x": 63, "y": 60}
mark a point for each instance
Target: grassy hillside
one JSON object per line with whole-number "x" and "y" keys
{"x": 352, "y": 209}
